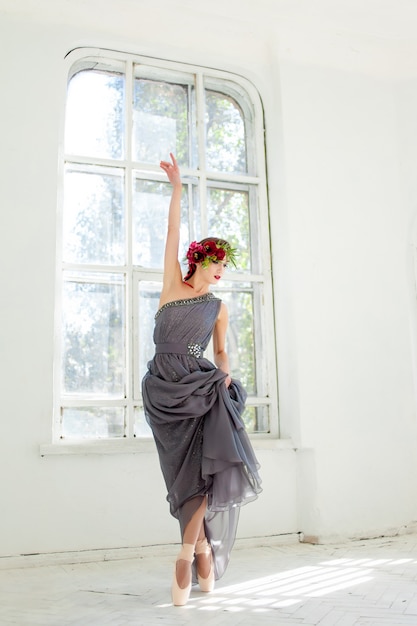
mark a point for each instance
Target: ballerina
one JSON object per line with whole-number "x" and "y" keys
{"x": 194, "y": 407}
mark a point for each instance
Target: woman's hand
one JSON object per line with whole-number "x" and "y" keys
{"x": 228, "y": 380}
{"x": 172, "y": 170}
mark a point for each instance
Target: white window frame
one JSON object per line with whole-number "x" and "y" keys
{"x": 264, "y": 330}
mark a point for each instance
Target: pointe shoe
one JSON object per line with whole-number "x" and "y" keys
{"x": 203, "y": 547}
{"x": 180, "y": 595}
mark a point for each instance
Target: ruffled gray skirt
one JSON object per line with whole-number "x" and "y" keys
{"x": 204, "y": 450}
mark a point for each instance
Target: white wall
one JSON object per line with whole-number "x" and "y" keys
{"x": 340, "y": 163}
{"x": 347, "y": 232}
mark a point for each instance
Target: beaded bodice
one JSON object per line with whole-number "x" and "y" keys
{"x": 188, "y": 321}
{"x": 186, "y": 301}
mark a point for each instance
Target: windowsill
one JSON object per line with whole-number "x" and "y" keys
{"x": 101, "y": 446}
{"x": 139, "y": 446}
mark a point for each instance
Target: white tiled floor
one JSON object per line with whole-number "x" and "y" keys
{"x": 268, "y": 582}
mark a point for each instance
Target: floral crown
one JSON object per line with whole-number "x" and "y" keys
{"x": 209, "y": 250}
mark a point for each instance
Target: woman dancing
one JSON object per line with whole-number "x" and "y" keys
{"x": 194, "y": 408}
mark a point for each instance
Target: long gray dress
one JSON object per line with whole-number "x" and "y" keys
{"x": 196, "y": 421}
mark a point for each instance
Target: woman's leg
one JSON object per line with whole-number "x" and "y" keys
{"x": 192, "y": 532}
{"x": 204, "y": 557}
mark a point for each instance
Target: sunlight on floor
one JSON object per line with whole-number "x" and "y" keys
{"x": 292, "y": 587}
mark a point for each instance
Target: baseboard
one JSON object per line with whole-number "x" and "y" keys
{"x": 331, "y": 539}
{"x": 119, "y": 554}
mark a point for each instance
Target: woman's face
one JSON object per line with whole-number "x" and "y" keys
{"x": 215, "y": 271}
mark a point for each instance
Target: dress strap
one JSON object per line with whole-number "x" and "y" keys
{"x": 191, "y": 349}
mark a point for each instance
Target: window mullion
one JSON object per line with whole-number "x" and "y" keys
{"x": 191, "y": 129}
{"x": 227, "y": 179}
{"x": 191, "y": 211}
{"x": 95, "y": 162}
{"x": 136, "y": 387}
{"x": 201, "y": 137}
{"x": 129, "y": 321}
{"x": 89, "y": 268}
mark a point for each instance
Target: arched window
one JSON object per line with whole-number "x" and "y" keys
{"x": 124, "y": 114}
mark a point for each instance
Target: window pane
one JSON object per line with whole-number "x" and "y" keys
{"x": 149, "y": 293}
{"x": 256, "y": 419}
{"x": 95, "y": 114}
{"x": 225, "y": 134}
{"x": 228, "y": 211}
{"x": 141, "y": 426}
{"x": 150, "y": 221}
{"x": 160, "y": 121}
{"x": 94, "y": 221}
{"x": 92, "y": 422}
{"x": 93, "y": 335}
{"x": 240, "y": 334}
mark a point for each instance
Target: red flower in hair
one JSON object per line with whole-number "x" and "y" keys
{"x": 196, "y": 253}
{"x": 209, "y": 251}
{"x": 210, "y": 248}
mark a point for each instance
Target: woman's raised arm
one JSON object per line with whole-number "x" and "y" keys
{"x": 172, "y": 269}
